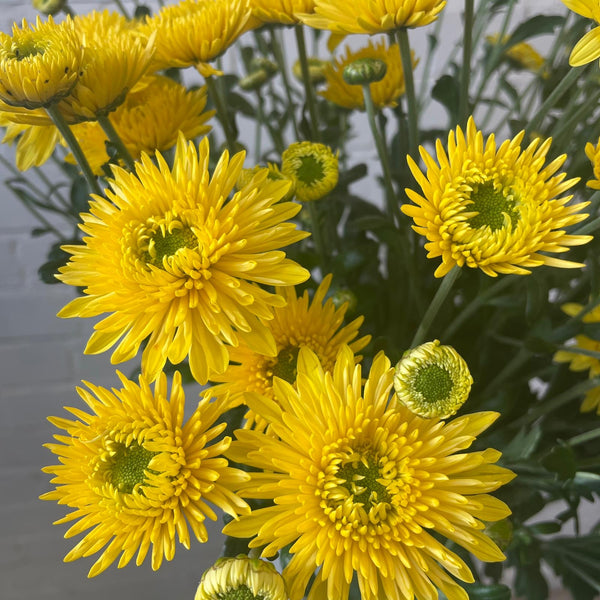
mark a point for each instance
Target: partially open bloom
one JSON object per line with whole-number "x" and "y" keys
{"x": 593, "y": 153}
{"x": 491, "y": 208}
{"x": 314, "y": 168}
{"x": 315, "y": 324}
{"x": 521, "y": 55}
{"x": 137, "y": 476}
{"x": 587, "y": 48}
{"x": 280, "y": 11}
{"x": 582, "y": 362}
{"x": 384, "y": 92}
{"x": 177, "y": 263}
{"x": 195, "y": 32}
{"x": 273, "y": 172}
{"x": 432, "y": 380}
{"x": 39, "y": 65}
{"x": 363, "y": 488}
{"x": 241, "y": 577}
{"x": 372, "y": 16}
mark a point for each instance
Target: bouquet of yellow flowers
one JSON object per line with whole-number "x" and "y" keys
{"x": 392, "y": 355}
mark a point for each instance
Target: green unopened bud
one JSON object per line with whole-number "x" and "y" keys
{"x": 364, "y": 70}
{"x": 345, "y": 296}
{"x": 254, "y": 80}
{"x": 494, "y": 591}
{"x": 260, "y": 62}
{"x": 49, "y": 7}
{"x": 316, "y": 70}
{"x": 501, "y": 532}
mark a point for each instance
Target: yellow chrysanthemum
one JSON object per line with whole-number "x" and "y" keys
{"x": 241, "y": 577}
{"x": 372, "y": 16}
{"x": 314, "y": 168}
{"x": 493, "y": 208}
{"x": 195, "y": 32}
{"x": 587, "y": 48}
{"x": 115, "y": 58}
{"x": 137, "y": 475}
{"x": 280, "y": 11}
{"x": 521, "y": 55}
{"x": 593, "y": 153}
{"x": 177, "y": 263}
{"x": 384, "y": 92}
{"x": 363, "y": 488}
{"x": 317, "y": 325}
{"x": 39, "y": 65}
{"x": 581, "y": 362}
{"x": 432, "y": 380}
{"x": 274, "y": 173}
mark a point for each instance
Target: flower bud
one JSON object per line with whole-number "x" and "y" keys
{"x": 49, "y": 7}
{"x": 254, "y": 80}
{"x": 364, "y": 71}
{"x": 316, "y": 70}
{"x": 260, "y": 62}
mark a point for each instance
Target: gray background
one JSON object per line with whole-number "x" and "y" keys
{"x": 41, "y": 361}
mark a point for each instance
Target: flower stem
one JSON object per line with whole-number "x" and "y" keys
{"x": 464, "y": 108}
{"x": 317, "y": 235}
{"x": 409, "y": 84}
{"x": 222, "y": 113}
{"x": 122, "y": 8}
{"x": 435, "y": 305}
{"x": 582, "y": 438}
{"x": 73, "y": 144}
{"x": 310, "y": 92}
{"x": 393, "y": 210}
{"x": 116, "y": 141}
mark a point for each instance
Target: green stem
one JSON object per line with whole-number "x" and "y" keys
{"x": 73, "y": 144}
{"x": 308, "y": 87}
{"x": 281, "y": 63}
{"x": 392, "y": 205}
{"x": 122, "y": 8}
{"x": 435, "y": 305}
{"x": 317, "y": 235}
{"x": 260, "y": 113}
{"x": 491, "y": 106}
{"x": 561, "y": 89}
{"x": 583, "y": 438}
{"x": 38, "y": 215}
{"x": 464, "y": 108}
{"x": 411, "y": 98}
{"x": 428, "y": 60}
{"x": 569, "y": 122}
{"x": 222, "y": 113}
{"x": 68, "y": 10}
{"x": 510, "y": 368}
{"x": 116, "y": 141}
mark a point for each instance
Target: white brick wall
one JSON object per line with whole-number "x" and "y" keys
{"x": 40, "y": 363}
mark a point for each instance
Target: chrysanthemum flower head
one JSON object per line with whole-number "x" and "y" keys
{"x": 582, "y": 362}
{"x": 364, "y": 488}
{"x": 432, "y": 380}
{"x": 40, "y": 64}
{"x": 241, "y": 578}
{"x": 384, "y": 92}
{"x": 593, "y": 153}
{"x": 587, "y": 48}
{"x": 371, "y": 16}
{"x": 178, "y": 264}
{"x": 314, "y": 168}
{"x": 317, "y": 324}
{"x": 273, "y": 172}
{"x": 137, "y": 476}
{"x": 195, "y": 32}
{"x": 280, "y": 11}
{"x": 521, "y": 55}
{"x": 492, "y": 208}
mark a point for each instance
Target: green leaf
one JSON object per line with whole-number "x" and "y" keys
{"x": 561, "y": 460}
{"x": 522, "y": 446}
{"x": 356, "y": 173}
{"x": 142, "y": 11}
{"x": 446, "y": 92}
{"x": 239, "y": 103}
{"x": 80, "y": 195}
{"x": 538, "y": 25}
{"x": 478, "y": 591}
{"x": 545, "y": 527}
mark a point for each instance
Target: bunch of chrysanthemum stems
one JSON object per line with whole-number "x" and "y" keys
{"x": 327, "y": 430}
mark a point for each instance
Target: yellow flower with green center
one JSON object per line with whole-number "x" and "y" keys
{"x": 587, "y": 48}
{"x": 314, "y": 168}
{"x": 195, "y": 32}
{"x": 177, "y": 263}
{"x": 371, "y": 16}
{"x": 317, "y": 324}
{"x": 432, "y": 380}
{"x": 241, "y": 578}
{"x": 582, "y": 362}
{"x": 384, "y": 92}
{"x": 521, "y": 55}
{"x": 280, "y": 11}
{"x": 491, "y": 208}
{"x": 137, "y": 476}
{"x": 39, "y": 65}
{"x": 593, "y": 153}
{"x": 364, "y": 489}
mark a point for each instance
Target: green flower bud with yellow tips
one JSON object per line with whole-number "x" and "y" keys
{"x": 364, "y": 71}
{"x": 316, "y": 70}
{"x": 432, "y": 380}
{"x": 49, "y": 7}
{"x": 254, "y": 80}
{"x": 241, "y": 578}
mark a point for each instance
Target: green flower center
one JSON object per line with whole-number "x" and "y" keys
{"x": 311, "y": 170}
{"x": 242, "y": 592}
{"x": 166, "y": 244}
{"x": 361, "y": 480}
{"x": 26, "y": 47}
{"x": 433, "y": 383}
{"x": 129, "y": 465}
{"x": 493, "y": 207}
{"x": 286, "y": 366}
